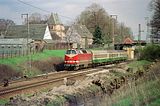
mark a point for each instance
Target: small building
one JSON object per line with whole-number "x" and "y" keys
{"x": 129, "y": 43}
{"x": 15, "y": 46}
{"x": 79, "y": 35}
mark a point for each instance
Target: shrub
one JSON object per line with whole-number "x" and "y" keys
{"x": 150, "y": 52}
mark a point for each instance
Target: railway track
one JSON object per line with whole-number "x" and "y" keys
{"x": 75, "y": 75}
{"x": 36, "y": 77}
{"x": 45, "y": 81}
{"x": 36, "y": 84}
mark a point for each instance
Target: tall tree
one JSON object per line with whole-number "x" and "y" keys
{"x": 155, "y": 22}
{"x": 97, "y": 36}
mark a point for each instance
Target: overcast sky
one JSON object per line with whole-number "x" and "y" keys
{"x": 130, "y": 12}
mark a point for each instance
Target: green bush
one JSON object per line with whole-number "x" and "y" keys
{"x": 150, "y": 52}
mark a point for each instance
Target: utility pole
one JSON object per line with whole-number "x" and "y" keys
{"x": 139, "y": 34}
{"x": 147, "y": 35}
{"x": 113, "y": 27}
{"x": 28, "y": 37}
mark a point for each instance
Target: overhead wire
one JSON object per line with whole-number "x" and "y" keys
{"x": 42, "y": 9}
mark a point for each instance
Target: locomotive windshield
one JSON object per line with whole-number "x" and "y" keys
{"x": 71, "y": 52}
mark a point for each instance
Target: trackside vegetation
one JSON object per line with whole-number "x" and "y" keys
{"x": 142, "y": 92}
{"x": 150, "y": 52}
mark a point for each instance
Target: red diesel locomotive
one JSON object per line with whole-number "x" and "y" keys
{"x": 75, "y": 59}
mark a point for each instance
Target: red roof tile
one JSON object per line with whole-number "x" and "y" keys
{"x": 128, "y": 41}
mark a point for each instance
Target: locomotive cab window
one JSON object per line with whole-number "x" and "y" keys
{"x": 71, "y": 52}
{"x": 84, "y": 51}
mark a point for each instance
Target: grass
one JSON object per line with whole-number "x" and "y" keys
{"x": 3, "y": 101}
{"x": 138, "y": 64}
{"x": 155, "y": 103}
{"x": 38, "y": 56}
{"x": 124, "y": 102}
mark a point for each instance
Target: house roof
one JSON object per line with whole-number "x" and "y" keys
{"x": 15, "y": 41}
{"x": 128, "y": 41}
{"x": 54, "y": 19}
{"x": 82, "y": 30}
{"x": 36, "y": 31}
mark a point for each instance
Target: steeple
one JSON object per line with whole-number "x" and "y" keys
{"x": 54, "y": 19}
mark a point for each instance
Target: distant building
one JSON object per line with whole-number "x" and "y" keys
{"x": 36, "y": 32}
{"x": 128, "y": 42}
{"x": 80, "y": 35}
{"x": 55, "y": 26}
{"x": 42, "y": 34}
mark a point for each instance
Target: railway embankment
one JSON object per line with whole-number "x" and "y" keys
{"x": 118, "y": 86}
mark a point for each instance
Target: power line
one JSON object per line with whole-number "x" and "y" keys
{"x": 33, "y": 6}
{"x": 66, "y": 17}
{"x": 42, "y": 9}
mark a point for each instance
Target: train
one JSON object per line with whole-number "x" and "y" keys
{"x": 77, "y": 59}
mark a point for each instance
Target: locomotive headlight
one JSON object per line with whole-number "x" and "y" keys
{"x": 77, "y": 61}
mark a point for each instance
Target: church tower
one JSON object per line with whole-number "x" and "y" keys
{"x": 56, "y": 26}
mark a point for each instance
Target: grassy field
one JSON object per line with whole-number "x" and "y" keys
{"x": 38, "y": 56}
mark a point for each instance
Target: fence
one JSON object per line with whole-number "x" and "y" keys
{"x": 57, "y": 46}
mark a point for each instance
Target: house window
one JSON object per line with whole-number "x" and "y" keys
{"x": 50, "y": 27}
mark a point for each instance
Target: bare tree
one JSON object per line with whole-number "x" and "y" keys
{"x": 4, "y": 24}
{"x": 37, "y": 18}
